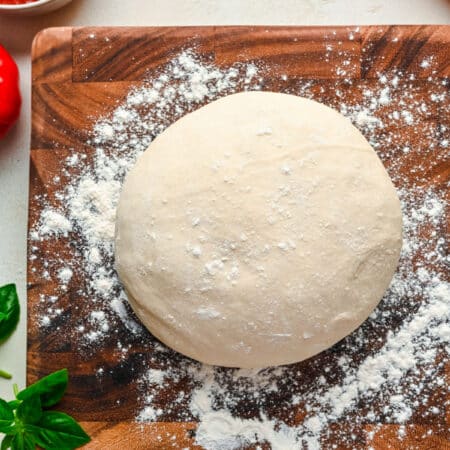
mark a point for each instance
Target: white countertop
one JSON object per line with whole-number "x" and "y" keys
{"x": 16, "y": 34}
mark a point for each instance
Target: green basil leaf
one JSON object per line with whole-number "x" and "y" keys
{"x": 50, "y": 388}
{"x": 13, "y": 404}
{"x": 44, "y": 444}
{"x": 58, "y": 431}
{"x": 30, "y": 410}
{"x": 22, "y": 441}
{"x": 17, "y": 442}
{"x": 6, "y": 417}
{"x": 29, "y": 443}
{"x": 6, "y": 442}
{"x": 7, "y": 427}
{"x": 6, "y": 412}
{"x": 9, "y": 310}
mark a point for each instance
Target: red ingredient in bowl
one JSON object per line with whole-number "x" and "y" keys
{"x": 15, "y": 2}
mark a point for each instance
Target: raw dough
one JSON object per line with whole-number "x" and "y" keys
{"x": 258, "y": 230}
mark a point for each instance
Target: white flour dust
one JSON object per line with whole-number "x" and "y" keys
{"x": 288, "y": 407}
{"x": 52, "y": 223}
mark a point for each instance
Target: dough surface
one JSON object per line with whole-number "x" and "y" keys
{"x": 258, "y": 230}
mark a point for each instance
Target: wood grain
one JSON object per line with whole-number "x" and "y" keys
{"x": 386, "y": 48}
{"x": 300, "y": 52}
{"x": 74, "y": 108}
{"x": 52, "y": 55}
{"x": 80, "y": 74}
{"x": 155, "y": 436}
{"x": 127, "y": 53}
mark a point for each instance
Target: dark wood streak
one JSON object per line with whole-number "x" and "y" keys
{"x": 411, "y": 48}
{"x": 52, "y": 55}
{"x": 127, "y": 55}
{"x": 62, "y": 108}
{"x": 72, "y": 110}
{"x": 403, "y": 48}
{"x": 52, "y": 59}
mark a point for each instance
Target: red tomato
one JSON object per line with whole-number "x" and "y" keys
{"x": 10, "y": 99}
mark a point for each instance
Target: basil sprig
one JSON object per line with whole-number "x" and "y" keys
{"x": 9, "y": 315}
{"x": 26, "y": 424}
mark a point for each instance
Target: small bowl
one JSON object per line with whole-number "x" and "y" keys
{"x": 36, "y": 7}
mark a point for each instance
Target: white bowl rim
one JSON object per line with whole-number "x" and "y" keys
{"x": 22, "y": 6}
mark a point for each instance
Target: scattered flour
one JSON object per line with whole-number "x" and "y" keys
{"x": 65, "y": 275}
{"x": 52, "y": 223}
{"x": 288, "y": 407}
{"x": 155, "y": 376}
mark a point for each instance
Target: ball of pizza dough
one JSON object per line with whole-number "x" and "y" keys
{"x": 258, "y": 230}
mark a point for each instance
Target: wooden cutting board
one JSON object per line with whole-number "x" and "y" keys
{"x": 75, "y": 81}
